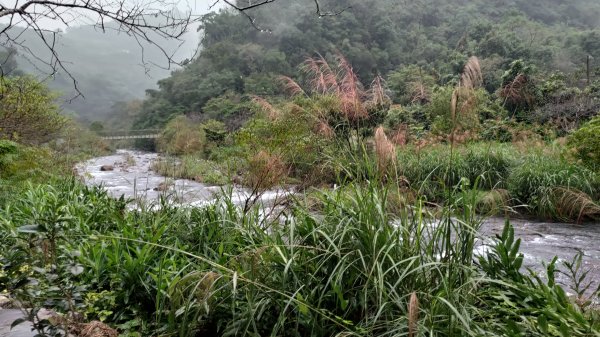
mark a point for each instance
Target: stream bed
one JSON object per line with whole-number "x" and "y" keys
{"x": 132, "y": 176}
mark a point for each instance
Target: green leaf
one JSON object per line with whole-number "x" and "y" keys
{"x": 543, "y": 324}
{"x": 76, "y": 269}
{"x": 17, "y": 322}
{"x": 564, "y": 330}
{"x": 301, "y": 306}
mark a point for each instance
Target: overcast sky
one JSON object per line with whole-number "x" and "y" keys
{"x": 198, "y": 7}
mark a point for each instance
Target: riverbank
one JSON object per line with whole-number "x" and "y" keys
{"x": 133, "y": 176}
{"x": 535, "y": 180}
{"x": 205, "y": 270}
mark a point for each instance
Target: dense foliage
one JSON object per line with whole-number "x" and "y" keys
{"x": 586, "y": 143}
{"x": 27, "y": 111}
{"x": 353, "y": 270}
{"x": 413, "y": 45}
{"x": 399, "y": 125}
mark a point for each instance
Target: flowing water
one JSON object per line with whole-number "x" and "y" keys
{"x": 133, "y": 177}
{"x": 542, "y": 241}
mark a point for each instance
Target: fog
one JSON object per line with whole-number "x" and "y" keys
{"x": 108, "y": 66}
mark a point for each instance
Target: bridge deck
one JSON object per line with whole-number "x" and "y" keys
{"x": 131, "y": 134}
{"x": 131, "y": 137}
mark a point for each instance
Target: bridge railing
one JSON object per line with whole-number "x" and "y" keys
{"x": 125, "y": 134}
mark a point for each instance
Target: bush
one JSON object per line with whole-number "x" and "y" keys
{"x": 470, "y": 107}
{"x": 28, "y": 113}
{"x": 497, "y": 131}
{"x": 414, "y": 116}
{"x": 181, "y": 136}
{"x": 230, "y": 108}
{"x": 433, "y": 170}
{"x": 7, "y": 150}
{"x": 215, "y": 130}
{"x": 489, "y": 166}
{"x": 291, "y": 137}
{"x": 265, "y": 171}
{"x": 585, "y": 144}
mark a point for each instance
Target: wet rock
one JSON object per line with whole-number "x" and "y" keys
{"x": 237, "y": 180}
{"x": 97, "y": 329}
{"x": 162, "y": 187}
{"x": 7, "y": 317}
{"x": 5, "y": 301}
{"x": 105, "y": 168}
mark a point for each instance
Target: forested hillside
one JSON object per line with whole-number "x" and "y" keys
{"x": 427, "y": 41}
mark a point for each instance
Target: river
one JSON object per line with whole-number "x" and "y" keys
{"x": 541, "y": 241}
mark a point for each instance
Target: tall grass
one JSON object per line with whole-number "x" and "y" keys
{"x": 555, "y": 189}
{"x": 350, "y": 269}
{"x": 193, "y": 168}
{"x": 533, "y": 182}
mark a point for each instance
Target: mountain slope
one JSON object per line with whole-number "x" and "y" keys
{"x": 378, "y": 37}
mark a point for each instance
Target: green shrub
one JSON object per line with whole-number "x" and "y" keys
{"x": 7, "y": 150}
{"x": 215, "y": 130}
{"x": 585, "y": 143}
{"x": 433, "y": 171}
{"x": 405, "y": 83}
{"x": 28, "y": 112}
{"x": 181, "y": 136}
{"x": 413, "y": 116}
{"x": 471, "y": 107}
{"x": 497, "y": 131}
{"x": 289, "y": 137}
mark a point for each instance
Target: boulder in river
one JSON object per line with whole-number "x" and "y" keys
{"x": 4, "y": 301}
{"x": 162, "y": 187}
{"x": 105, "y": 168}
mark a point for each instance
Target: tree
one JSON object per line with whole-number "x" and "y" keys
{"x": 27, "y": 111}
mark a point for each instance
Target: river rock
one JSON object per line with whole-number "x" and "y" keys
{"x": 4, "y": 301}
{"x": 237, "y": 180}
{"x": 162, "y": 187}
{"x": 106, "y": 168}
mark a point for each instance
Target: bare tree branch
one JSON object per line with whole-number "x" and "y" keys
{"x": 244, "y": 9}
{"x": 148, "y": 22}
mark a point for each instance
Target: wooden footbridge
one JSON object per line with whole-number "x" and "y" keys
{"x": 131, "y": 134}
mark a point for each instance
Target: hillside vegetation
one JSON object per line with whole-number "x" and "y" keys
{"x": 423, "y": 42}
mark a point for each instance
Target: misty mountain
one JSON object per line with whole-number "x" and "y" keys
{"x": 109, "y": 67}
